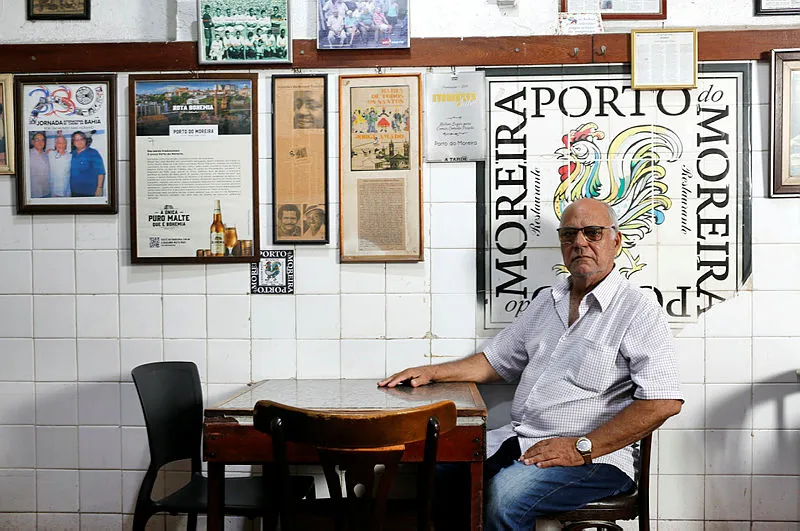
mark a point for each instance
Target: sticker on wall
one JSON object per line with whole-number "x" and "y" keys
{"x": 273, "y": 273}
{"x": 673, "y": 164}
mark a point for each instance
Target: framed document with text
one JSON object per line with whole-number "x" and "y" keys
{"x": 664, "y": 58}
{"x": 619, "y": 9}
{"x": 380, "y": 170}
{"x": 194, "y": 168}
{"x": 300, "y": 159}
{"x": 777, "y": 7}
{"x": 66, "y": 142}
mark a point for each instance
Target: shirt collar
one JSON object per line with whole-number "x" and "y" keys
{"x": 603, "y": 293}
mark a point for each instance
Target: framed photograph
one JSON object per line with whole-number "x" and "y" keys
{"x": 6, "y": 124}
{"x": 619, "y": 9}
{"x": 243, "y": 31}
{"x": 66, "y": 141}
{"x": 194, "y": 168}
{"x": 777, "y": 7}
{"x": 785, "y": 124}
{"x": 300, "y": 159}
{"x": 380, "y": 205}
{"x": 347, "y": 24}
{"x": 59, "y": 9}
{"x": 664, "y": 58}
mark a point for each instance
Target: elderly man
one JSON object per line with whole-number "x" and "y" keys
{"x": 596, "y": 367}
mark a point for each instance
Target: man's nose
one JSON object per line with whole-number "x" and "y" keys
{"x": 580, "y": 239}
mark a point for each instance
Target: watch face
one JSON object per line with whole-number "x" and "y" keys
{"x": 584, "y": 445}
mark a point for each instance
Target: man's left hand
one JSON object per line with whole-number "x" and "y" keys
{"x": 559, "y": 451}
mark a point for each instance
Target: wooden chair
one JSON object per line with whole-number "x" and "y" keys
{"x": 603, "y": 514}
{"x": 356, "y": 444}
{"x": 172, "y": 403}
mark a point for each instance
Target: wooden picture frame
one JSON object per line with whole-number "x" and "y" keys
{"x": 785, "y": 124}
{"x": 194, "y": 168}
{"x": 776, "y": 7}
{"x": 6, "y": 124}
{"x": 341, "y": 26}
{"x": 664, "y": 58}
{"x": 617, "y": 9}
{"x": 238, "y": 32}
{"x": 59, "y": 9}
{"x": 300, "y": 159}
{"x": 66, "y": 144}
{"x": 380, "y": 204}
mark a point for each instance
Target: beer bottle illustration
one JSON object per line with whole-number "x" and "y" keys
{"x": 217, "y": 233}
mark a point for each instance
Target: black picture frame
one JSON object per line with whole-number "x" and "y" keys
{"x": 77, "y": 112}
{"x": 762, "y": 8}
{"x": 62, "y": 10}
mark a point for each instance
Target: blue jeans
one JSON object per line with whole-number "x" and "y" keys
{"x": 519, "y": 493}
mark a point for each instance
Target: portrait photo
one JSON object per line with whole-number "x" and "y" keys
{"x": 58, "y": 9}
{"x": 65, "y": 144}
{"x": 243, "y": 31}
{"x": 350, "y": 24}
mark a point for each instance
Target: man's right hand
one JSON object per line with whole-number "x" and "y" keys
{"x": 415, "y": 376}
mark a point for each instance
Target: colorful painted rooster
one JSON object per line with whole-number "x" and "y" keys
{"x": 629, "y": 177}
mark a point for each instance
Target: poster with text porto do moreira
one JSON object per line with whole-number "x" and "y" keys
{"x": 673, "y": 164}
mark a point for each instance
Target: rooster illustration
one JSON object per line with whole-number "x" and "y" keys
{"x": 629, "y": 178}
{"x": 271, "y": 270}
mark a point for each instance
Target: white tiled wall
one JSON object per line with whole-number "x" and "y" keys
{"x": 76, "y": 316}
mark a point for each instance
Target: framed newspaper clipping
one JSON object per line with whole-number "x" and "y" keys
{"x": 777, "y": 7}
{"x": 6, "y": 123}
{"x": 243, "y": 31}
{"x": 65, "y": 140}
{"x": 194, "y": 168}
{"x": 380, "y": 168}
{"x": 300, "y": 159}
{"x": 619, "y": 9}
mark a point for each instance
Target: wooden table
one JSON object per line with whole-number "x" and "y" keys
{"x": 230, "y": 438}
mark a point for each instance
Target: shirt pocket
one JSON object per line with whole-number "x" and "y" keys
{"x": 593, "y": 365}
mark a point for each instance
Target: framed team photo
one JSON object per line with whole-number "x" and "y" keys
{"x": 59, "y": 9}
{"x": 6, "y": 123}
{"x": 65, "y": 140}
{"x": 243, "y": 31}
{"x": 350, "y": 24}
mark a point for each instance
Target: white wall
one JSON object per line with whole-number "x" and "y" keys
{"x": 75, "y": 317}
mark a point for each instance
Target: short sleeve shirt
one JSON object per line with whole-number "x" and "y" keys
{"x": 574, "y": 378}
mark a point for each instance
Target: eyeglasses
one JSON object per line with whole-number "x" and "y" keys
{"x": 593, "y": 233}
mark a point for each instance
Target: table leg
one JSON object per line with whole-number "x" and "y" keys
{"x": 216, "y": 496}
{"x": 476, "y": 495}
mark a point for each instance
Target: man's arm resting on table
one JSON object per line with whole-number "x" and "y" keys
{"x": 630, "y": 425}
{"x": 474, "y": 368}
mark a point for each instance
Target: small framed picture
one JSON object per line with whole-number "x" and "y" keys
{"x": 244, "y": 31}
{"x": 664, "y": 58}
{"x": 59, "y": 9}
{"x": 66, "y": 140}
{"x": 777, "y": 7}
{"x": 347, "y": 24}
{"x": 619, "y": 9}
{"x": 785, "y": 124}
{"x": 6, "y": 124}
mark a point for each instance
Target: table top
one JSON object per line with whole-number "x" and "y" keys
{"x": 351, "y": 395}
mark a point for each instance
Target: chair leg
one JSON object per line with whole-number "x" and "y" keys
{"x": 191, "y": 522}
{"x": 140, "y": 519}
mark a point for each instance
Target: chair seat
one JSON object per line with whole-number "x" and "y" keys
{"x": 620, "y": 507}
{"x": 244, "y": 496}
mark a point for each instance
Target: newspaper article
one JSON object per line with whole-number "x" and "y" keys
{"x": 381, "y": 214}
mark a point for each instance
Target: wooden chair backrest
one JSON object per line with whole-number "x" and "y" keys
{"x": 366, "y": 446}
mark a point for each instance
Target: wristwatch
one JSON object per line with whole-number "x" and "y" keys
{"x": 584, "y": 447}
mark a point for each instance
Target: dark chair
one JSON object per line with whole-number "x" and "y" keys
{"x": 602, "y": 514}
{"x": 172, "y": 403}
{"x": 356, "y": 444}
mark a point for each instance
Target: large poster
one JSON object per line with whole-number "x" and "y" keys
{"x": 674, "y": 165}
{"x": 193, "y": 177}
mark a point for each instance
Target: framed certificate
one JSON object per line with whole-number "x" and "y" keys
{"x": 194, "y": 168}
{"x": 380, "y": 168}
{"x": 664, "y": 59}
{"x": 619, "y": 9}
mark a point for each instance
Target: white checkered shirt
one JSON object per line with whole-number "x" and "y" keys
{"x": 574, "y": 378}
